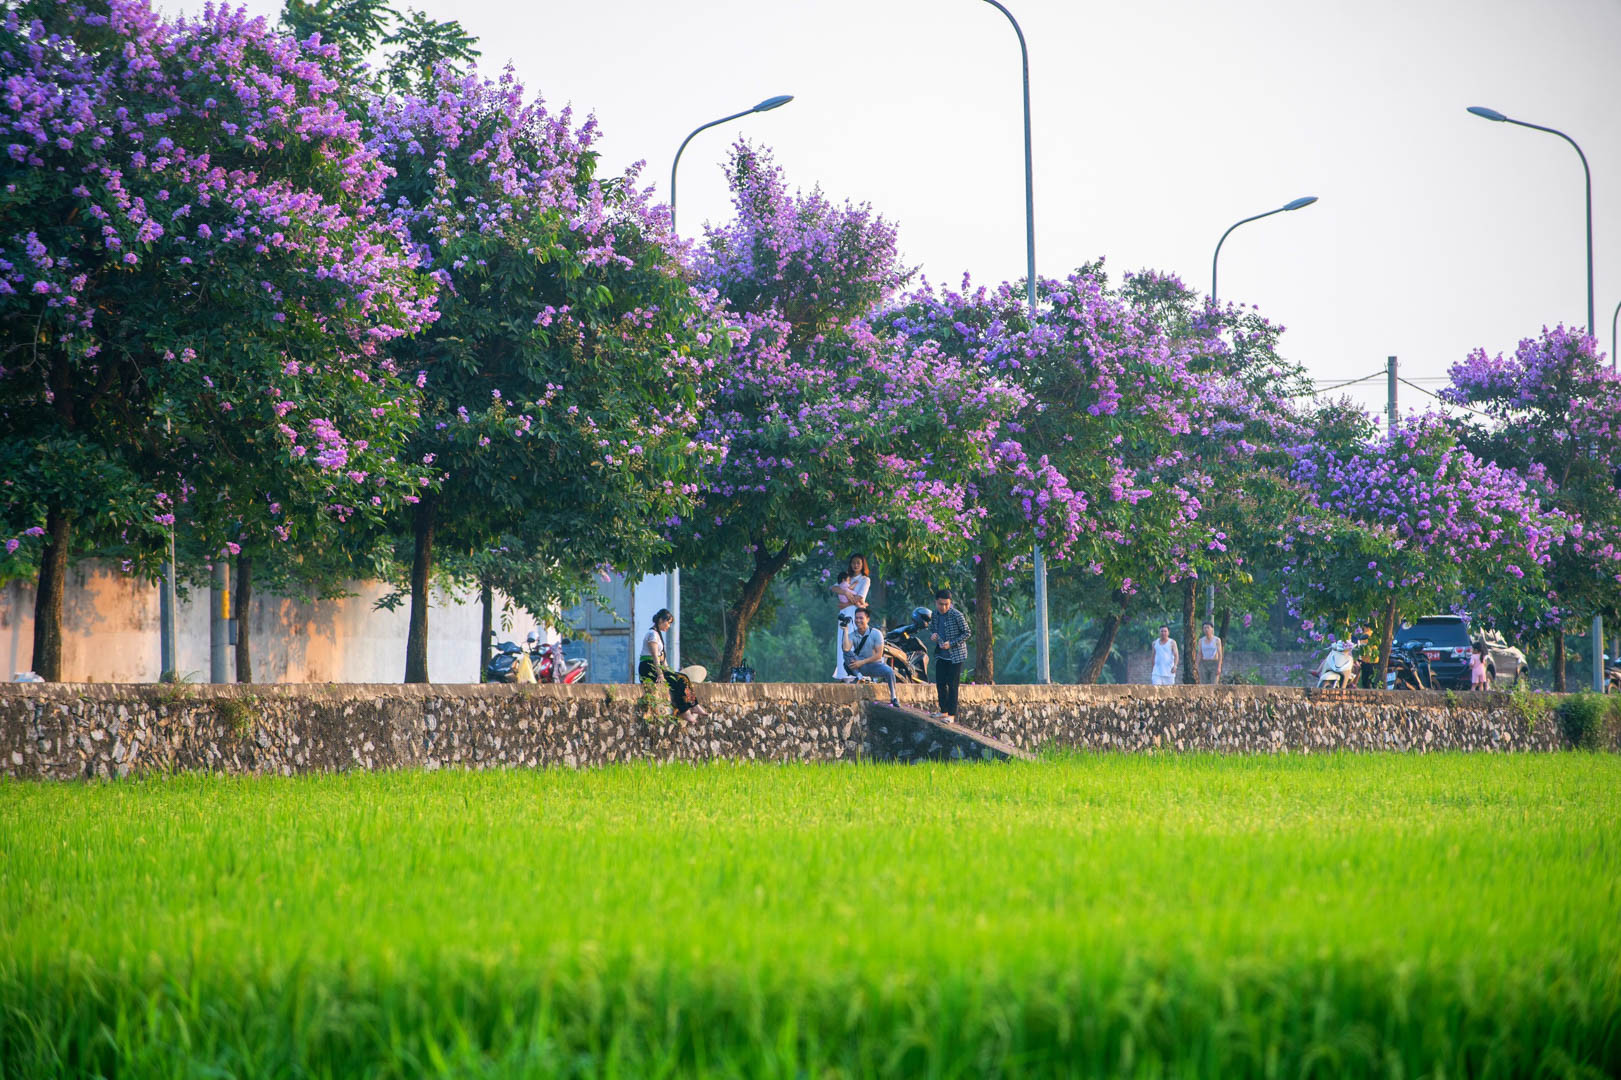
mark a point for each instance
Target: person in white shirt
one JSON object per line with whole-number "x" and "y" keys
{"x": 1211, "y": 655}
{"x": 849, "y": 595}
{"x": 651, "y": 667}
{"x": 1166, "y": 658}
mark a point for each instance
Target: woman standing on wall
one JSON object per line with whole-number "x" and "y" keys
{"x": 651, "y": 668}
{"x": 849, "y": 595}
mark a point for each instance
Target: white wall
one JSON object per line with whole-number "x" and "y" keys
{"x": 110, "y": 633}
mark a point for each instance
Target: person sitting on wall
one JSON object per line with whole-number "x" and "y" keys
{"x": 864, "y": 652}
{"x": 652, "y": 668}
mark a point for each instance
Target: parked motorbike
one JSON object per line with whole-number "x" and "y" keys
{"x": 1410, "y": 668}
{"x": 1340, "y": 667}
{"x": 545, "y": 661}
{"x": 904, "y": 649}
{"x": 1612, "y": 675}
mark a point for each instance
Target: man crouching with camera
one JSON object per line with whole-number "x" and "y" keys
{"x": 864, "y": 652}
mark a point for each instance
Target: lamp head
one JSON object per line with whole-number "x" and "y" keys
{"x": 773, "y": 103}
{"x": 1487, "y": 114}
{"x": 1298, "y": 203}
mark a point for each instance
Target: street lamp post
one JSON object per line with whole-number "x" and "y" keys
{"x": 1043, "y": 642}
{"x": 1293, "y": 204}
{"x": 1587, "y": 173}
{"x": 673, "y": 586}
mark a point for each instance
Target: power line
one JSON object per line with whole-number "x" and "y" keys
{"x": 1444, "y": 401}
{"x": 1336, "y": 386}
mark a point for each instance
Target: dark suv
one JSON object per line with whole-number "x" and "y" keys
{"x": 1445, "y": 639}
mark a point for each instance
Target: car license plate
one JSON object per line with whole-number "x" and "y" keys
{"x": 1432, "y": 655}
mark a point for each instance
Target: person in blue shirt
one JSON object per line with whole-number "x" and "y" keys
{"x": 864, "y": 652}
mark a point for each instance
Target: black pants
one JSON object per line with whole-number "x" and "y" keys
{"x": 681, "y": 696}
{"x": 947, "y": 674}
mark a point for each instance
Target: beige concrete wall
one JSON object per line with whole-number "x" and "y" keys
{"x": 110, "y": 633}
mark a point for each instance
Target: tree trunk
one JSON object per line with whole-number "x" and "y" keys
{"x": 1100, "y": 652}
{"x": 416, "y": 640}
{"x": 53, "y": 581}
{"x": 984, "y": 625}
{"x": 766, "y": 567}
{"x": 244, "y": 598}
{"x": 1223, "y": 621}
{"x": 1190, "y": 632}
{"x": 1559, "y": 660}
{"x": 1387, "y": 636}
{"x": 486, "y": 625}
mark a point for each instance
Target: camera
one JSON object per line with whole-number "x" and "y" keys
{"x": 844, "y": 620}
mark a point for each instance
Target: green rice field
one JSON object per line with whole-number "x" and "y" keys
{"x": 1340, "y": 916}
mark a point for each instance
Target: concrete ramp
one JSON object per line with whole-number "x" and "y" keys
{"x": 899, "y": 733}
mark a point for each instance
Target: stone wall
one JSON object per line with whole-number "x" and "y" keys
{"x": 97, "y": 730}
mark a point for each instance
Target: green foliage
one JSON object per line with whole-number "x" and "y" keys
{"x": 239, "y": 714}
{"x": 1530, "y": 706}
{"x": 1171, "y": 916}
{"x": 1589, "y": 720}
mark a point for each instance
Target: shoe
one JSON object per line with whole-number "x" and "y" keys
{"x": 893, "y": 704}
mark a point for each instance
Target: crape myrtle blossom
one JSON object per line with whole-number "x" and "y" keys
{"x": 1091, "y": 466}
{"x": 1415, "y": 522}
{"x": 564, "y": 381}
{"x": 190, "y": 257}
{"x": 1553, "y": 411}
{"x": 836, "y": 430}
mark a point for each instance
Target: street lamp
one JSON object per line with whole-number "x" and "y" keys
{"x": 765, "y": 106}
{"x": 673, "y": 587}
{"x": 1497, "y": 117}
{"x": 1295, "y": 204}
{"x": 1043, "y": 644}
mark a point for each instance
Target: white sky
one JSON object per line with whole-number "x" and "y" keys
{"x": 1157, "y": 124}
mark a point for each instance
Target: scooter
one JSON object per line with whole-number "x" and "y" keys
{"x": 551, "y": 666}
{"x": 1340, "y": 667}
{"x": 1410, "y": 668}
{"x": 904, "y": 649}
{"x": 546, "y": 663}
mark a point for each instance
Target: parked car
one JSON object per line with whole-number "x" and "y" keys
{"x": 1444, "y": 641}
{"x": 1505, "y": 664}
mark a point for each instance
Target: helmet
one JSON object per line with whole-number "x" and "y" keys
{"x": 921, "y": 616}
{"x": 534, "y": 637}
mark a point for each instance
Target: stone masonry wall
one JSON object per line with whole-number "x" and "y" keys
{"x": 100, "y": 730}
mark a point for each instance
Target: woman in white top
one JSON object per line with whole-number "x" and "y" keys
{"x": 849, "y": 595}
{"x": 1166, "y": 658}
{"x": 651, "y": 668}
{"x": 1210, "y": 656}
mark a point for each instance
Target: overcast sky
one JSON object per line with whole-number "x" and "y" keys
{"x": 1157, "y": 123}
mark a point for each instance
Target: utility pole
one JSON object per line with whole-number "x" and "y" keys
{"x": 1390, "y": 391}
{"x": 219, "y": 614}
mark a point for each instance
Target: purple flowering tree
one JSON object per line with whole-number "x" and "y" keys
{"x": 1089, "y": 467}
{"x": 1553, "y": 411}
{"x": 195, "y": 291}
{"x": 836, "y": 436}
{"x": 1414, "y": 522}
{"x": 563, "y": 382}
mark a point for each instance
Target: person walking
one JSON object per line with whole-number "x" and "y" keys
{"x": 1211, "y": 656}
{"x": 864, "y": 652}
{"x": 1166, "y": 658}
{"x": 849, "y": 593}
{"x": 950, "y": 636}
{"x": 1478, "y": 680}
{"x": 651, "y": 667}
